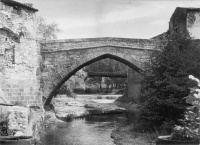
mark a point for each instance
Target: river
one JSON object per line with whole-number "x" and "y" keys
{"x": 88, "y": 130}
{"x": 91, "y": 130}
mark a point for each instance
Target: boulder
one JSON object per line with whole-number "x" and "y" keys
{"x": 19, "y": 133}
{"x": 68, "y": 108}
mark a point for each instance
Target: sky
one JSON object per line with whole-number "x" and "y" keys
{"x": 109, "y": 18}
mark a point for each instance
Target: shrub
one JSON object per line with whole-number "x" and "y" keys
{"x": 99, "y": 97}
{"x": 166, "y": 82}
{"x": 191, "y": 122}
{"x": 3, "y": 122}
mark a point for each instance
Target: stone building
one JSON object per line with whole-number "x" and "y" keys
{"x": 19, "y": 54}
{"x": 185, "y": 19}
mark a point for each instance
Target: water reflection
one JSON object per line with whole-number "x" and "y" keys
{"x": 91, "y": 130}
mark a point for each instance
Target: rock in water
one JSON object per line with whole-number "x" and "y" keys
{"x": 77, "y": 104}
{"x": 19, "y": 133}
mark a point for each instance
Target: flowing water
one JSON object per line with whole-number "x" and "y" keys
{"x": 91, "y": 130}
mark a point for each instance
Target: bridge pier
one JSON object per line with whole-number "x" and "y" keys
{"x": 134, "y": 85}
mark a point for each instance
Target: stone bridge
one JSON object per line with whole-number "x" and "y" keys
{"x": 30, "y": 69}
{"x": 63, "y": 58}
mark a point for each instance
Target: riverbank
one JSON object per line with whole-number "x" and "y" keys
{"x": 125, "y": 135}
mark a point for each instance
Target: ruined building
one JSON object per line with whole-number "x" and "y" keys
{"x": 183, "y": 20}
{"x": 19, "y": 54}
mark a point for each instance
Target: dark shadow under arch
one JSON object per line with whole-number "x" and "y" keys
{"x": 53, "y": 92}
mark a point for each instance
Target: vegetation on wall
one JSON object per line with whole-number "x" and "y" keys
{"x": 166, "y": 82}
{"x": 46, "y": 31}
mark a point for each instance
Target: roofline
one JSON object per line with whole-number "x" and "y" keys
{"x": 12, "y": 2}
{"x": 186, "y": 9}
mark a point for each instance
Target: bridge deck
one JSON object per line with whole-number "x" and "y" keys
{"x": 107, "y": 74}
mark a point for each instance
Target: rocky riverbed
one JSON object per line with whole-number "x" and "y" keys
{"x": 72, "y": 108}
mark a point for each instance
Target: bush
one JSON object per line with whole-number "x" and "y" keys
{"x": 166, "y": 82}
{"x": 99, "y": 97}
{"x": 3, "y": 123}
{"x": 190, "y": 124}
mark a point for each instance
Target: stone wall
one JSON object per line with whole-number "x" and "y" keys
{"x": 20, "y": 121}
{"x": 19, "y": 80}
{"x": 19, "y": 58}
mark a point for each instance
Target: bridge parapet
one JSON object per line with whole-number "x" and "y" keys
{"x": 70, "y": 44}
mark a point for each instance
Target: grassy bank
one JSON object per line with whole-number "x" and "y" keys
{"x": 132, "y": 133}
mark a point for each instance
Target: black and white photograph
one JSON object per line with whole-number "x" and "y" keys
{"x": 99, "y": 72}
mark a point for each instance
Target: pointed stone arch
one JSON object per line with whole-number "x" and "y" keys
{"x": 63, "y": 58}
{"x": 62, "y": 75}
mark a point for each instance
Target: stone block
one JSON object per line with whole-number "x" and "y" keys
{"x": 32, "y": 97}
{"x": 21, "y": 98}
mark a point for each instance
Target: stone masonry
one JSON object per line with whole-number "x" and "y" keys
{"x": 62, "y": 58}
{"x": 19, "y": 54}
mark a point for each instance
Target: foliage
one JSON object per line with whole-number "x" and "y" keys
{"x": 47, "y": 31}
{"x": 3, "y": 122}
{"x": 107, "y": 65}
{"x": 166, "y": 82}
{"x": 191, "y": 122}
{"x": 192, "y": 116}
{"x": 99, "y": 97}
{"x": 77, "y": 80}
